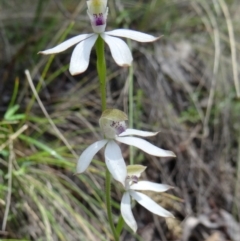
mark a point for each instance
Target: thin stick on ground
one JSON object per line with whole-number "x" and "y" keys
{"x": 217, "y": 55}
{"x": 232, "y": 44}
{"x": 59, "y": 134}
{"x": 13, "y": 137}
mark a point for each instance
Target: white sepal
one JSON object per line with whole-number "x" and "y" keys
{"x": 134, "y": 35}
{"x": 145, "y": 146}
{"x": 88, "y": 154}
{"x": 115, "y": 162}
{"x": 119, "y": 50}
{"x": 150, "y": 186}
{"x": 66, "y": 44}
{"x": 149, "y": 204}
{"x": 135, "y": 132}
{"x": 126, "y": 212}
{"x": 81, "y": 54}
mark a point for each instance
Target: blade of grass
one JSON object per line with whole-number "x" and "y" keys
{"x": 59, "y": 134}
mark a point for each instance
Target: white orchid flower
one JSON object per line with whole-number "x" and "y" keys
{"x": 97, "y": 12}
{"x": 112, "y": 123}
{"x": 131, "y": 185}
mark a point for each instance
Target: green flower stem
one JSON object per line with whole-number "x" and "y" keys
{"x": 101, "y": 68}
{"x": 131, "y": 108}
{"x": 108, "y": 202}
{"x": 120, "y": 225}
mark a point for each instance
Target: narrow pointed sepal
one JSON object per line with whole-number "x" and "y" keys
{"x": 119, "y": 50}
{"x": 66, "y": 44}
{"x": 135, "y": 132}
{"x": 88, "y": 154}
{"x": 115, "y": 162}
{"x": 149, "y": 204}
{"x": 81, "y": 54}
{"x": 134, "y": 35}
{"x": 150, "y": 186}
{"x": 126, "y": 212}
{"x": 145, "y": 146}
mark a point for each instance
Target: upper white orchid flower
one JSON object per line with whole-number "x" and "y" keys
{"x": 97, "y": 12}
{"x": 132, "y": 184}
{"x": 112, "y": 123}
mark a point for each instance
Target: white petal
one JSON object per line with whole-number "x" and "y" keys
{"x": 145, "y": 146}
{"x": 66, "y": 44}
{"x": 80, "y": 56}
{"x": 134, "y": 35}
{"x": 149, "y": 204}
{"x": 150, "y": 186}
{"x": 115, "y": 162}
{"x": 128, "y": 132}
{"x": 88, "y": 154}
{"x": 119, "y": 50}
{"x": 126, "y": 212}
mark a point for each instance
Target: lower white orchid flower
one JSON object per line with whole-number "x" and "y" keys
{"x": 97, "y": 12}
{"x": 112, "y": 123}
{"x": 131, "y": 185}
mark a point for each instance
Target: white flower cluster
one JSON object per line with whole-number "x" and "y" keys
{"x": 112, "y": 123}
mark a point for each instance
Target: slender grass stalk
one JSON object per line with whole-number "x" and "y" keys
{"x": 60, "y": 135}
{"x": 232, "y": 39}
{"x": 101, "y": 68}
{"x": 15, "y": 92}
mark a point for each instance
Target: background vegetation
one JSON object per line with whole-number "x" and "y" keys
{"x": 184, "y": 86}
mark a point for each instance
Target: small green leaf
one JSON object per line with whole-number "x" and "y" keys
{"x": 41, "y": 146}
{"x": 10, "y": 112}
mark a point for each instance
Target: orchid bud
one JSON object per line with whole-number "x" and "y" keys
{"x": 112, "y": 123}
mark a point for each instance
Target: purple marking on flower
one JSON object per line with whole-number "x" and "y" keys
{"x": 121, "y": 129}
{"x": 119, "y": 126}
{"x": 132, "y": 178}
{"x": 99, "y": 21}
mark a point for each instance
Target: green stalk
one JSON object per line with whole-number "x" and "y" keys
{"x": 15, "y": 92}
{"x": 120, "y": 225}
{"x": 101, "y": 68}
{"x": 130, "y": 112}
{"x": 109, "y": 206}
